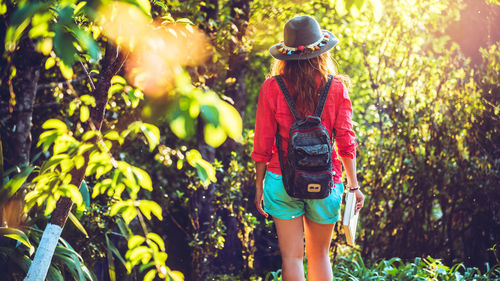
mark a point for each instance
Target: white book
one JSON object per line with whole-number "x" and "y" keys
{"x": 350, "y": 220}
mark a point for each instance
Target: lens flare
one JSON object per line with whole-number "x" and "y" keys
{"x": 156, "y": 51}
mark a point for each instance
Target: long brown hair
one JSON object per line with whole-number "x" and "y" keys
{"x": 301, "y": 77}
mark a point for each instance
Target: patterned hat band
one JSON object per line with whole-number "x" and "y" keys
{"x": 285, "y": 50}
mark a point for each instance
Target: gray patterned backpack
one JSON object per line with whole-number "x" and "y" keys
{"x": 307, "y": 170}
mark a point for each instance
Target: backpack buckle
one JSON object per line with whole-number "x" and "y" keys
{"x": 313, "y": 187}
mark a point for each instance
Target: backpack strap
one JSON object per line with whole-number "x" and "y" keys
{"x": 323, "y": 96}
{"x": 288, "y": 97}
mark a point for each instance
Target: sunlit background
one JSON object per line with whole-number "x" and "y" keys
{"x": 157, "y": 102}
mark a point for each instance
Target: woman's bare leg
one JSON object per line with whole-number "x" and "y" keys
{"x": 318, "y": 238}
{"x": 291, "y": 241}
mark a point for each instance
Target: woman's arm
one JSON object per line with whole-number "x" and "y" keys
{"x": 350, "y": 170}
{"x": 352, "y": 181}
{"x": 260, "y": 171}
{"x": 264, "y": 137}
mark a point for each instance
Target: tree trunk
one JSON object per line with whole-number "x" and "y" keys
{"x": 18, "y": 141}
{"x": 111, "y": 63}
{"x": 28, "y": 63}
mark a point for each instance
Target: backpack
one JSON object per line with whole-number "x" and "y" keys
{"x": 307, "y": 171}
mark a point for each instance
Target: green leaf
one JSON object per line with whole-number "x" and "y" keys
{"x": 117, "y": 79}
{"x": 143, "y": 178}
{"x": 71, "y": 191}
{"x": 113, "y": 135}
{"x": 114, "y": 89}
{"x": 206, "y": 171}
{"x": 135, "y": 241}
{"x": 127, "y": 171}
{"x": 89, "y": 134}
{"x": 50, "y": 205}
{"x": 49, "y": 63}
{"x": 132, "y": 129}
{"x": 111, "y": 264}
{"x": 56, "y": 124}
{"x": 79, "y": 7}
{"x": 13, "y": 185}
{"x": 19, "y": 21}
{"x": 79, "y": 161}
{"x": 87, "y": 42}
{"x": 18, "y": 235}
{"x": 63, "y": 143}
{"x": 230, "y": 120}
{"x": 139, "y": 253}
{"x": 176, "y": 275}
{"x": 157, "y": 239}
{"x": 202, "y": 174}
{"x": 129, "y": 214}
{"x": 63, "y": 45}
{"x": 77, "y": 223}
{"x": 214, "y": 136}
{"x": 66, "y": 165}
{"x": 118, "y": 207}
{"x": 84, "y": 190}
{"x": 150, "y": 276}
{"x": 84, "y": 113}
{"x": 210, "y": 114}
{"x": 152, "y": 134}
{"x": 144, "y": 5}
{"x": 88, "y": 100}
{"x": 124, "y": 229}
{"x": 147, "y": 207}
{"x": 114, "y": 250}
{"x": 66, "y": 255}
{"x": 66, "y": 70}
{"x": 184, "y": 21}
{"x": 54, "y": 274}
{"x": 193, "y": 156}
{"x": 179, "y": 126}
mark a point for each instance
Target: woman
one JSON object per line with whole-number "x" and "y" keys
{"x": 304, "y": 63}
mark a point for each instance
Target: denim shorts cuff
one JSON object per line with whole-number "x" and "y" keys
{"x": 324, "y": 221}
{"x": 281, "y": 216}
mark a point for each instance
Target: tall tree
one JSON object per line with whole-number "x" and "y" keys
{"x": 112, "y": 63}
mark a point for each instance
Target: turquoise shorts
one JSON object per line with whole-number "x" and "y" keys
{"x": 280, "y": 205}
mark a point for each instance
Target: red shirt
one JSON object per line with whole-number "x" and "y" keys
{"x": 273, "y": 112}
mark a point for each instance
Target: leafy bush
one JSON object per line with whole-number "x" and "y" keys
{"x": 353, "y": 268}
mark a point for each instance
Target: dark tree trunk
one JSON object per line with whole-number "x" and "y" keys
{"x": 238, "y": 56}
{"x": 17, "y": 140}
{"x": 28, "y": 63}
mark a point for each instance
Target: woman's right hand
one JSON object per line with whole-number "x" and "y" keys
{"x": 259, "y": 199}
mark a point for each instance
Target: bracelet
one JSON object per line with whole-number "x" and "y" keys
{"x": 353, "y": 188}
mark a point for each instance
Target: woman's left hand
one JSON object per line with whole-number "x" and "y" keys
{"x": 360, "y": 201}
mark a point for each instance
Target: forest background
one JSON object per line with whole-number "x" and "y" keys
{"x": 141, "y": 114}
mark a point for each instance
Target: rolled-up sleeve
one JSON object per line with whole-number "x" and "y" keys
{"x": 265, "y": 125}
{"x": 344, "y": 134}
